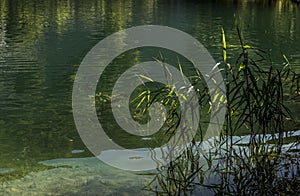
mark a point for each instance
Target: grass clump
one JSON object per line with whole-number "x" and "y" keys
{"x": 264, "y": 163}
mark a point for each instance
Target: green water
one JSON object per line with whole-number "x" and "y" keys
{"x": 42, "y": 44}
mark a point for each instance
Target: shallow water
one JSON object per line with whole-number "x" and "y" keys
{"x": 42, "y": 44}
{"x": 89, "y": 176}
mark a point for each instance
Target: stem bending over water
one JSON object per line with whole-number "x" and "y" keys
{"x": 261, "y": 163}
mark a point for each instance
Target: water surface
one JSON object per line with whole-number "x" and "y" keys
{"x": 43, "y": 42}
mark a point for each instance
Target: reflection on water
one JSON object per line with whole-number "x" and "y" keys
{"x": 43, "y": 42}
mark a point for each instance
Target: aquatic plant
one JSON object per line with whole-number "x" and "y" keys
{"x": 256, "y": 92}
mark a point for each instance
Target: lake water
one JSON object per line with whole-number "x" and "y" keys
{"x": 42, "y": 44}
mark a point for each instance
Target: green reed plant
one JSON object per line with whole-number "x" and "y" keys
{"x": 255, "y": 105}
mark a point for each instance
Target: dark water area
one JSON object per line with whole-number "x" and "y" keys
{"x": 42, "y": 44}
